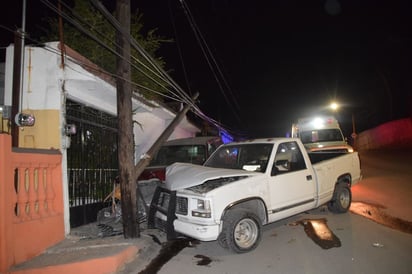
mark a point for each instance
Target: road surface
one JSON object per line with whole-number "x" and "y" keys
{"x": 359, "y": 244}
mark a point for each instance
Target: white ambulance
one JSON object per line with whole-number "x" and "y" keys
{"x": 321, "y": 134}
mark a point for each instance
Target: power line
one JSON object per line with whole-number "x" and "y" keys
{"x": 178, "y": 93}
{"x": 210, "y": 59}
{"x": 104, "y": 45}
{"x": 178, "y": 47}
{"x": 141, "y": 50}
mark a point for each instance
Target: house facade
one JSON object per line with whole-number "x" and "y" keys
{"x": 74, "y": 106}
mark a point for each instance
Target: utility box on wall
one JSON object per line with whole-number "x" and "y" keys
{"x": 5, "y": 115}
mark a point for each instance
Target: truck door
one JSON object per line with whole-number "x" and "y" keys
{"x": 292, "y": 184}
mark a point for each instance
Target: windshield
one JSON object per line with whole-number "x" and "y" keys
{"x": 167, "y": 155}
{"x": 251, "y": 157}
{"x": 321, "y": 135}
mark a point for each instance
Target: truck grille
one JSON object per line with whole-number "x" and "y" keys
{"x": 164, "y": 200}
{"x": 160, "y": 224}
{"x": 162, "y": 210}
{"x": 181, "y": 205}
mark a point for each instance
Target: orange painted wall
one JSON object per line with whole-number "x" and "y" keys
{"x": 31, "y": 202}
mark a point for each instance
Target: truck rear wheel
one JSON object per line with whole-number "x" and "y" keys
{"x": 241, "y": 231}
{"x": 342, "y": 198}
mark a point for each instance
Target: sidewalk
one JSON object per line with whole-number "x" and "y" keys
{"x": 85, "y": 252}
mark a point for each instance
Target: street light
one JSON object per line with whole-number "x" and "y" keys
{"x": 334, "y": 106}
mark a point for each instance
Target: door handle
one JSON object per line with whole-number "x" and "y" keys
{"x": 308, "y": 177}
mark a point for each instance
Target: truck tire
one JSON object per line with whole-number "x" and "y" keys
{"x": 241, "y": 231}
{"x": 342, "y": 198}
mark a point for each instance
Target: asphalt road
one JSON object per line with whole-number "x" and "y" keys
{"x": 361, "y": 244}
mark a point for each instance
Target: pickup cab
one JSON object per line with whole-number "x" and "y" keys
{"x": 245, "y": 185}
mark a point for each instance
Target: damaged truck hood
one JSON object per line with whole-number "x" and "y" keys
{"x": 181, "y": 175}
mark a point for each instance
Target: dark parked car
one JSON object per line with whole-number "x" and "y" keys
{"x": 193, "y": 150}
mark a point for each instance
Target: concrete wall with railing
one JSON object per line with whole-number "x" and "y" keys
{"x": 31, "y": 202}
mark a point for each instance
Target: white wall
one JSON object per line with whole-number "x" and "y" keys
{"x": 40, "y": 88}
{"x": 44, "y": 80}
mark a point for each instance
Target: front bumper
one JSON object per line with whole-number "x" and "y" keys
{"x": 162, "y": 215}
{"x": 199, "y": 232}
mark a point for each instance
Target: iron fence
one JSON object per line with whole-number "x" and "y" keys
{"x": 92, "y": 161}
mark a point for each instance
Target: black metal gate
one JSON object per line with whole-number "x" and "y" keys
{"x": 92, "y": 161}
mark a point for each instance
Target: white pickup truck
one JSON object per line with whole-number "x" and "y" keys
{"x": 245, "y": 185}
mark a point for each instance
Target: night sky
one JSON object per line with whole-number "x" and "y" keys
{"x": 284, "y": 59}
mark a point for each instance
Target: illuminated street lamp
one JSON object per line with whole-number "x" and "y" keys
{"x": 334, "y": 106}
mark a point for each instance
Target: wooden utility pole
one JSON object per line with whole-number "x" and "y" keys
{"x": 125, "y": 122}
{"x": 61, "y": 36}
{"x": 15, "y": 105}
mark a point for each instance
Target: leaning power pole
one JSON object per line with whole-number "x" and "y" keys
{"x": 145, "y": 161}
{"x": 125, "y": 123}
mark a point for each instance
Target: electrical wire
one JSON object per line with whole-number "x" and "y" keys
{"x": 92, "y": 68}
{"x": 178, "y": 47}
{"x": 210, "y": 59}
{"x": 143, "y": 53}
{"x": 184, "y": 97}
{"x": 103, "y": 44}
{"x": 177, "y": 94}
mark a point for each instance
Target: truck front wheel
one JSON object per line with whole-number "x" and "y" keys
{"x": 241, "y": 231}
{"x": 342, "y": 198}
